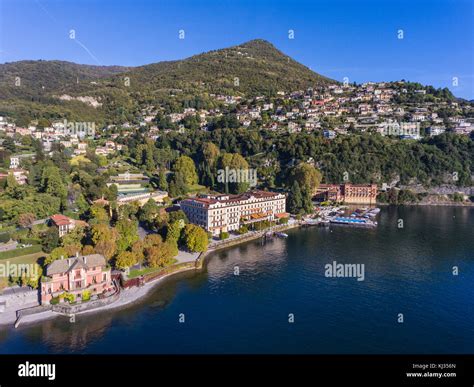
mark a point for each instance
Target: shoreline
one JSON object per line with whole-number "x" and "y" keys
{"x": 127, "y": 298}
{"x": 132, "y": 295}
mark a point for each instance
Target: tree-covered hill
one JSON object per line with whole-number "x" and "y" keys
{"x": 252, "y": 68}
{"x": 249, "y": 69}
{"x": 362, "y": 157}
{"x": 33, "y": 79}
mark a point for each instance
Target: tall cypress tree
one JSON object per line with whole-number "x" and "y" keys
{"x": 295, "y": 199}
{"x": 307, "y": 203}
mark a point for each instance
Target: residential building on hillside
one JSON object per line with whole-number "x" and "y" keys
{"x": 20, "y": 175}
{"x": 65, "y": 224}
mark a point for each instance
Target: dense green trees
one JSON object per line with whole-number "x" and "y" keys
{"x": 173, "y": 230}
{"x": 232, "y": 173}
{"x": 299, "y": 199}
{"x": 397, "y": 196}
{"x": 295, "y": 199}
{"x": 98, "y": 214}
{"x": 104, "y": 239}
{"x": 127, "y": 233}
{"x": 195, "y": 238}
{"x": 185, "y": 167}
{"x": 50, "y": 239}
{"x": 184, "y": 176}
{"x": 56, "y": 253}
{"x": 159, "y": 253}
{"x": 306, "y": 176}
{"x": 363, "y": 158}
{"x": 177, "y": 185}
{"x": 125, "y": 259}
{"x": 148, "y": 212}
{"x": 144, "y": 155}
{"x": 52, "y": 183}
{"x": 162, "y": 182}
{"x": 208, "y": 156}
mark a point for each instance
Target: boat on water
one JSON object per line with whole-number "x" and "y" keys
{"x": 353, "y": 221}
{"x": 281, "y": 235}
{"x": 374, "y": 212}
{"x": 365, "y": 213}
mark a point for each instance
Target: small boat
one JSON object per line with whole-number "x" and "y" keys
{"x": 281, "y": 235}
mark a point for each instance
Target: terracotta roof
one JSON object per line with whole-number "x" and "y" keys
{"x": 232, "y": 198}
{"x": 60, "y": 220}
{"x": 81, "y": 223}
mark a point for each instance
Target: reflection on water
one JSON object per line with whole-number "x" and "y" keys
{"x": 407, "y": 270}
{"x": 60, "y": 335}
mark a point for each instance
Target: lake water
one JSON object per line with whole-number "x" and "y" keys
{"x": 408, "y": 270}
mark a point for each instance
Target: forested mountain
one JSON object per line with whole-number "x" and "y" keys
{"x": 253, "y": 68}
{"x": 36, "y": 78}
{"x": 249, "y": 69}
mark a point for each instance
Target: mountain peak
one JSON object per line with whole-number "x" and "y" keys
{"x": 253, "y": 68}
{"x": 257, "y": 43}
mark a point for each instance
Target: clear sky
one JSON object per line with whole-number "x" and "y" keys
{"x": 354, "y": 39}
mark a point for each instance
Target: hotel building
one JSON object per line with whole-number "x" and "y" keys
{"x": 347, "y": 193}
{"x": 224, "y": 213}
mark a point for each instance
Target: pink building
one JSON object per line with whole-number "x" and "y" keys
{"x": 76, "y": 274}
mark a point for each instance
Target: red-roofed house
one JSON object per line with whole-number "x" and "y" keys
{"x": 65, "y": 224}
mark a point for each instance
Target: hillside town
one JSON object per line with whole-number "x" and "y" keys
{"x": 398, "y": 109}
{"x": 90, "y": 211}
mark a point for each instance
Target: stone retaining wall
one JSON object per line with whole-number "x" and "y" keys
{"x": 84, "y": 306}
{"x": 19, "y": 296}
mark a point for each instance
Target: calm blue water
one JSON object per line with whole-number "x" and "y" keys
{"x": 407, "y": 271}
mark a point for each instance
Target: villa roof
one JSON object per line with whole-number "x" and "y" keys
{"x": 81, "y": 262}
{"x": 60, "y": 220}
{"x": 228, "y": 198}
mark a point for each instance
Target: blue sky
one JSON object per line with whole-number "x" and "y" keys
{"x": 354, "y": 39}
